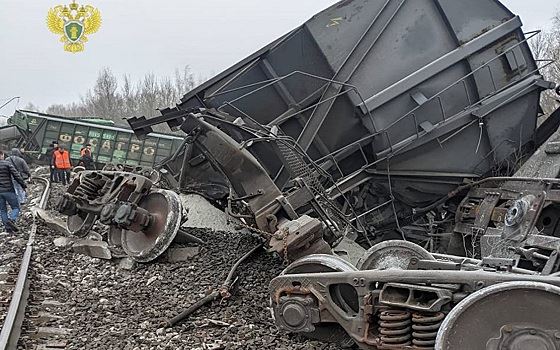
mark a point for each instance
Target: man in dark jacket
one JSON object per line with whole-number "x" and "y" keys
{"x": 8, "y": 194}
{"x": 50, "y": 152}
{"x": 16, "y": 158}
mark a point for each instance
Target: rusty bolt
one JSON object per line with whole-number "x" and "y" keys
{"x": 508, "y": 329}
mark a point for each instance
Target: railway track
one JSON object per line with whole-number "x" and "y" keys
{"x": 14, "y": 316}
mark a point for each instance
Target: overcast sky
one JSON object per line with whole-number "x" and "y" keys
{"x": 143, "y": 36}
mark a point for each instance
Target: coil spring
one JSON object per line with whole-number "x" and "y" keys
{"x": 394, "y": 329}
{"x": 89, "y": 186}
{"x": 425, "y": 327}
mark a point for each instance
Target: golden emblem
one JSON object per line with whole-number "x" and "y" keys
{"x": 73, "y": 22}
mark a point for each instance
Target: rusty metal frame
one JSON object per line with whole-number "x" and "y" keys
{"x": 455, "y": 286}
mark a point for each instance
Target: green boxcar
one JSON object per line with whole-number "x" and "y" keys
{"x": 109, "y": 144}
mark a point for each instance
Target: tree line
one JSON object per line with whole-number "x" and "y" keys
{"x": 546, "y": 46}
{"x": 117, "y": 99}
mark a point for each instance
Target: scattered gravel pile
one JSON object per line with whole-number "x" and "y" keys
{"x": 112, "y": 308}
{"x": 57, "y": 190}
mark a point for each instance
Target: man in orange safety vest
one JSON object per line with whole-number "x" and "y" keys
{"x": 62, "y": 165}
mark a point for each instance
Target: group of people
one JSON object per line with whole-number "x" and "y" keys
{"x": 61, "y": 163}
{"x": 14, "y": 172}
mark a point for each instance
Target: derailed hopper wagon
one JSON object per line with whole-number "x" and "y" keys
{"x": 424, "y": 93}
{"x": 371, "y": 121}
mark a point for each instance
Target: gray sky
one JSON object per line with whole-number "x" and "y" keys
{"x": 142, "y": 36}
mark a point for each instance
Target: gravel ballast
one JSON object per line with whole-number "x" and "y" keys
{"x": 12, "y": 247}
{"x": 109, "y": 304}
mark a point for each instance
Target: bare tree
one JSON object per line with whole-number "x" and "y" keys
{"x": 168, "y": 95}
{"x": 184, "y": 81}
{"x": 541, "y": 45}
{"x": 104, "y": 96}
{"x": 128, "y": 96}
{"x": 546, "y": 46}
{"x": 148, "y": 90}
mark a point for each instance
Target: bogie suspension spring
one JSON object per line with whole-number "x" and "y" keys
{"x": 89, "y": 187}
{"x": 425, "y": 327}
{"x": 394, "y": 329}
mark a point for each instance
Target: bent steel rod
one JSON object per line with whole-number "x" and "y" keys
{"x": 223, "y": 291}
{"x": 14, "y": 318}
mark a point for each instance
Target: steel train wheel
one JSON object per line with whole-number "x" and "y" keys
{"x": 318, "y": 263}
{"x": 344, "y": 296}
{"x": 511, "y": 315}
{"x": 392, "y": 254}
{"x": 80, "y": 224}
{"x": 148, "y": 244}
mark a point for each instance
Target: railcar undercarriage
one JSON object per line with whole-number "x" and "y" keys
{"x": 495, "y": 295}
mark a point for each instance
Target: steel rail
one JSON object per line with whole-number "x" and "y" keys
{"x": 11, "y": 328}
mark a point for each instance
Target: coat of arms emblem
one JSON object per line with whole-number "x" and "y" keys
{"x": 73, "y": 23}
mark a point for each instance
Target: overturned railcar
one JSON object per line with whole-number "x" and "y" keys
{"x": 397, "y": 101}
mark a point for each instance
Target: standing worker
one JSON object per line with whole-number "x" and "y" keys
{"x": 62, "y": 164}
{"x": 16, "y": 159}
{"x": 86, "y": 158}
{"x": 50, "y": 154}
{"x": 8, "y": 194}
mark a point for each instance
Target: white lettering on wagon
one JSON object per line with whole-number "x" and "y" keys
{"x": 107, "y": 145}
